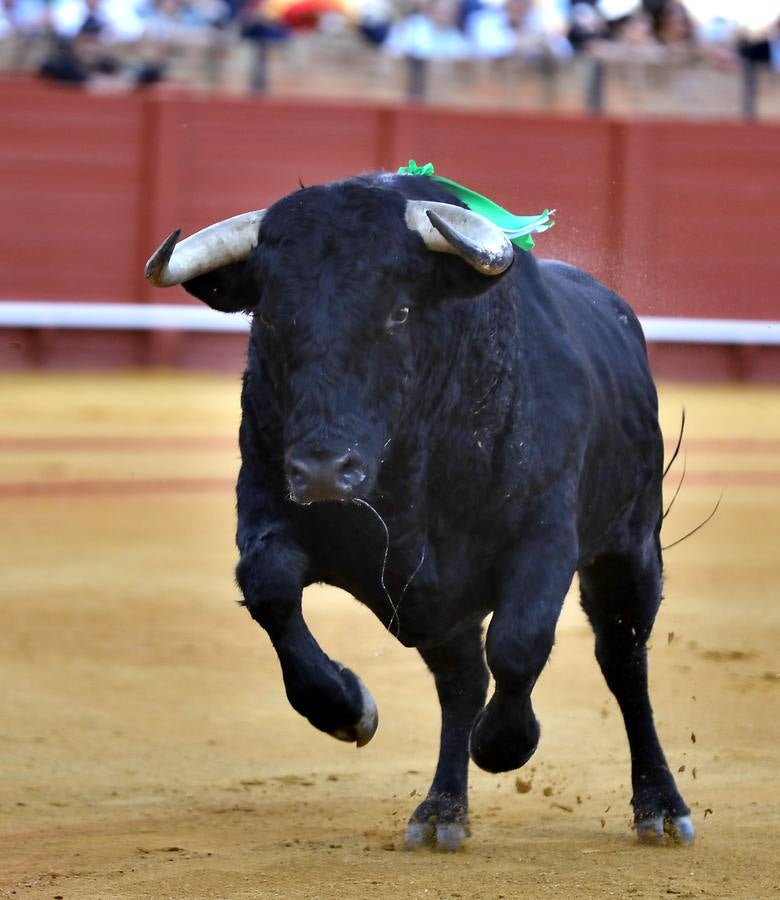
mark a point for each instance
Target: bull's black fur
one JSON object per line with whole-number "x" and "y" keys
{"x": 508, "y": 433}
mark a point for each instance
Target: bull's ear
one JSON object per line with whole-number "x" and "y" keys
{"x": 454, "y": 279}
{"x": 229, "y": 289}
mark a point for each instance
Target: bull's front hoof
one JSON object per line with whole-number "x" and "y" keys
{"x": 660, "y": 813}
{"x": 501, "y": 741}
{"x": 440, "y": 823}
{"x": 446, "y": 837}
{"x": 365, "y": 728}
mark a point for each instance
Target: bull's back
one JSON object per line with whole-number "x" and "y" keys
{"x": 623, "y": 452}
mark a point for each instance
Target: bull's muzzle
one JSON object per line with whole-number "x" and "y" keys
{"x": 317, "y": 477}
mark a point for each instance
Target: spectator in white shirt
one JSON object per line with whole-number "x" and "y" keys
{"x": 117, "y": 21}
{"x": 519, "y": 27}
{"x": 432, "y": 33}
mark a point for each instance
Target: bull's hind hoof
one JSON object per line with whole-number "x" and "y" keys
{"x": 365, "y": 728}
{"x": 656, "y": 829}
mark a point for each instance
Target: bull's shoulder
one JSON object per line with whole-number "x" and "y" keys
{"x": 573, "y": 282}
{"x": 587, "y": 303}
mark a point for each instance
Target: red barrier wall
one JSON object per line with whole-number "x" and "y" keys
{"x": 680, "y": 217}
{"x": 70, "y": 194}
{"x": 700, "y": 214}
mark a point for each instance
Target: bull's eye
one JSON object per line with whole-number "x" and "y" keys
{"x": 398, "y": 317}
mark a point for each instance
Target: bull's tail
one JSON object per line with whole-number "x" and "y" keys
{"x": 671, "y": 463}
{"x": 679, "y": 485}
{"x": 679, "y": 444}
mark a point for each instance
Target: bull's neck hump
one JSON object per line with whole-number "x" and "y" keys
{"x": 471, "y": 389}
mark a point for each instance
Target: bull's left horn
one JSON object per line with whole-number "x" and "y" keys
{"x": 211, "y": 248}
{"x": 447, "y": 228}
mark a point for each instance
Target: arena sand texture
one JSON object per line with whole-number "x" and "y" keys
{"x": 147, "y": 748}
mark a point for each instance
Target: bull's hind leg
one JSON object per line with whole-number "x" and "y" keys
{"x": 458, "y": 667}
{"x": 621, "y": 595}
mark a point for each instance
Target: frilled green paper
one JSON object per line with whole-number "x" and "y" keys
{"x": 517, "y": 228}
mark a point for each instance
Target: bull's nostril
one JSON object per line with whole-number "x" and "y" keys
{"x": 296, "y": 470}
{"x": 297, "y": 473}
{"x": 351, "y": 472}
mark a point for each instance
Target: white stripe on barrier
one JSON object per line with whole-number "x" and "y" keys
{"x": 669, "y": 329}
{"x": 118, "y": 316}
{"x": 170, "y": 317}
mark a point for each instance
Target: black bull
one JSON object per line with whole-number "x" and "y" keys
{"x": 444, "y": 429}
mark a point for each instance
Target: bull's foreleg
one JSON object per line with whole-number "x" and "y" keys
{"x": 621, "y": 596}
{"x": 461, "y": 677}
{"x": 520, "y": 637}
{"x": 270, "y": 574}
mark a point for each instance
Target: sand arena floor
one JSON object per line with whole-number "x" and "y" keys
{"x": 147, "y": 748}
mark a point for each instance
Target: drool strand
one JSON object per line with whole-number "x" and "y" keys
{"x": 393, "y": 606}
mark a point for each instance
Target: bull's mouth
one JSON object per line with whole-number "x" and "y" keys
{"x": 310, "y": 496}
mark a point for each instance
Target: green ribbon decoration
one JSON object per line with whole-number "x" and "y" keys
{"x": 517, "y": 228}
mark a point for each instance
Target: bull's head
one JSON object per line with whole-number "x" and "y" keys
{"x": 336, "y": 277}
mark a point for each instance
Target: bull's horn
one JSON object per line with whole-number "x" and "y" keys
{"x": 211, "y": 248}
{"x": 447, "y": 228}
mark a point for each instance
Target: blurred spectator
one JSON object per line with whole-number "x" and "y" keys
{"x": 723, "y": 22}
{"x": 258, "y": 23}
{"x": 519, "y": 27}
{"x": 20, "y": 17}
{"x": 374, "y": 18}
{"x": 116, "y": 21}
{"x": 431, "y": 33}
{"x": 303, "y": 15}
{"x": 627, "y": 21}
{"x": 629, "y": 25}
{"x": 760, "y": 43}
{"x": 179, "y": 22}
{"x": 90, "y": 35}
{"x": 186, "y": 38}
{"x": 635, "y": 31}
{"x": 672, "y": 24}
{"x": 586, "y": 24}
{"x": 24, "y": 30}
{"x": 260, "y": 29}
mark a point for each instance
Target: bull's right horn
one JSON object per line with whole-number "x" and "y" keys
{"x": 447, "y": 228}
{"x": 211, "y": 248}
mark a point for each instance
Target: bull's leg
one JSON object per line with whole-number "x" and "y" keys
{"x": 519, "y": 640}
{"x": 270, "y": 574}
{"x": 458, "y": 667}
{"x": 621, "y": 596}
